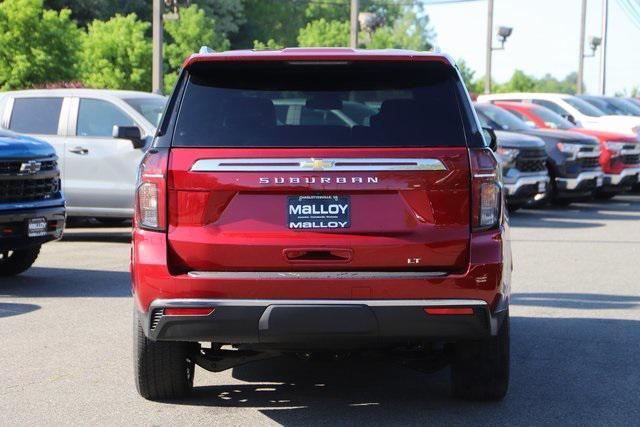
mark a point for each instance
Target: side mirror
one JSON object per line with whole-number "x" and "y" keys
{"x": 570, "y": 118}
{"x": 490, "y": 135}
{"x": 132, "y": 133}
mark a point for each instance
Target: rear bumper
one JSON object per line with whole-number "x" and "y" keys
{"x": 326, "y": 307}
{"x": 626, "y": 178}
{"x": 297, "y": 324}
{"x": 13, "y": 227}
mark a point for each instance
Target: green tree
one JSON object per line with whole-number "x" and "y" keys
{"x": 519, "y": 82}
{"x": 468, "y": 76}
{"x": 548, "y": 83}
{"x": 409, "y": 31}
{"x": 85, "y": 11}
{"x": 116, "y": 54}
{"x": 339, "y": 10}
{"x": 36, "y": 45}
{"x": 186, "y": 35}
{"x": 270, "y": 19}
{"x": 228, "y": 14}
{"x": 270, "y": 44}
{"x": 325, "y": 33}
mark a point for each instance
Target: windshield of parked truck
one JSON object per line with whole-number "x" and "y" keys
{"x": 497, "y": 118}
{"x": 584, "y": 107}
{"x": 627, "y": 107}
{"x": 551, "y": 119}
{"x": 150, "y": 108}
{"x": 341, "y": 104}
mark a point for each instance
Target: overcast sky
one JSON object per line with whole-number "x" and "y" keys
{"x": 545, "y": 39}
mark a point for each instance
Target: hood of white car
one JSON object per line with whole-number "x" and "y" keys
{"x": 629, "y": 125}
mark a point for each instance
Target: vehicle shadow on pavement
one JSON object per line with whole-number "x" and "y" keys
{"x": 579, "y": 215}
{"x": 67, "y": 282}
{"x": 564, "y": 371}
{"x": 576, "y": 301}
{"x": 8, "y": 309}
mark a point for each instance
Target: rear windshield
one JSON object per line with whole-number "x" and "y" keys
{"x": 320, "y": 105}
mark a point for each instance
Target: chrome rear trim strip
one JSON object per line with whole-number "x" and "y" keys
{"x": 163, "y": 303}
{"x": 343, "y": 275}
{"x": 311, "y": 164}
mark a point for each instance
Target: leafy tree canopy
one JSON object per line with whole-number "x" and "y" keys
{"x": 325, "y": 33}
{"x": 116, "y": 54}
{"x": 186, "y": 35}
{"x": 36, "y": 46}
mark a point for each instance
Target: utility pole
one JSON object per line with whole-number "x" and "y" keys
{"x": 355, "y": 9}
{"x": 156, "y": 65}
{"x": 583, "y": 22}
{"x": 603, "y": 52}
{"x": 487, "y": 74}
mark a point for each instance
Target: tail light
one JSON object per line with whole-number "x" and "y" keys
{"x": 151, "y": 191}
{"x": 486, "y": 190}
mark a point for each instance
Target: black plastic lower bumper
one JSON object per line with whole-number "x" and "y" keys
{"x": 14, "y": 227}
{"x": 321, "y": 324}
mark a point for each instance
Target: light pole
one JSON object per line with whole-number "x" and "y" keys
{"x": 603, "y": 52}
{"x": 156, "y": 62}
{"x": 594, "y": 43}
{"x": 503, "y": 34}
{"x": 583, "y": 21}
{"x": 355, "y": 9}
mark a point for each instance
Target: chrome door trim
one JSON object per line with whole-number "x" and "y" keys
{"x": 335, "y": 275}
{"x": 313, "y": 164}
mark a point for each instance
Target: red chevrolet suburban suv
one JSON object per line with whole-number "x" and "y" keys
{"x": 320, "y": 201}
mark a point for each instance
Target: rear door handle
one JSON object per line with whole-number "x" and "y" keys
{"x": 79, "y": 150}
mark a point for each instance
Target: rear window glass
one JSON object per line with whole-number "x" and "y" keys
{"x": 36, "y": 115}
{"x": 313, "y": 105}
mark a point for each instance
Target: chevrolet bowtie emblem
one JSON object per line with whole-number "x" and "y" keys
{"x": 316, "y": 164}
{"x": 30, "y": 167}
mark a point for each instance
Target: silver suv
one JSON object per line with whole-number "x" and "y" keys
{"x": 100, "y": 137}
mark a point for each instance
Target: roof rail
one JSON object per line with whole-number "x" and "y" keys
{"x": 206, "y": 49}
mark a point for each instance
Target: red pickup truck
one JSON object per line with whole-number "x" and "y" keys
{"x": 310, "y": 201}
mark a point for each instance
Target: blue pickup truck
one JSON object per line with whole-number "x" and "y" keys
{"x": 32, "y": 210}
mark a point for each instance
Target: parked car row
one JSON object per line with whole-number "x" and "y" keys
{"x": 596, "y": 154}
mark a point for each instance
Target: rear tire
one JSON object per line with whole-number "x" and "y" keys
{"x": 480, "y": 369}
{"x": 16, "y": 262}
{"x": 163, "y": 369}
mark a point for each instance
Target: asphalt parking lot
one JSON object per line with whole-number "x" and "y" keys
{"x": 65, "y": 328}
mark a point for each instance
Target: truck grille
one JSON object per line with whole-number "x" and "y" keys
{"x": 589, "y": 162}
{"x": 28, "y": 189}
{"x": 13, "y": 166}
{"x": 631, "y": 159}
{"x": 531, "y": 160}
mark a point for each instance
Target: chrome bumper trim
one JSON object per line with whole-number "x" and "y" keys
{"x": 520, "y": 182}
{"x": 573, "y": 183}
{"x": 340, "y": 275}
{"x": 615, "y": 179}
{"x": 187, "y": 302}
